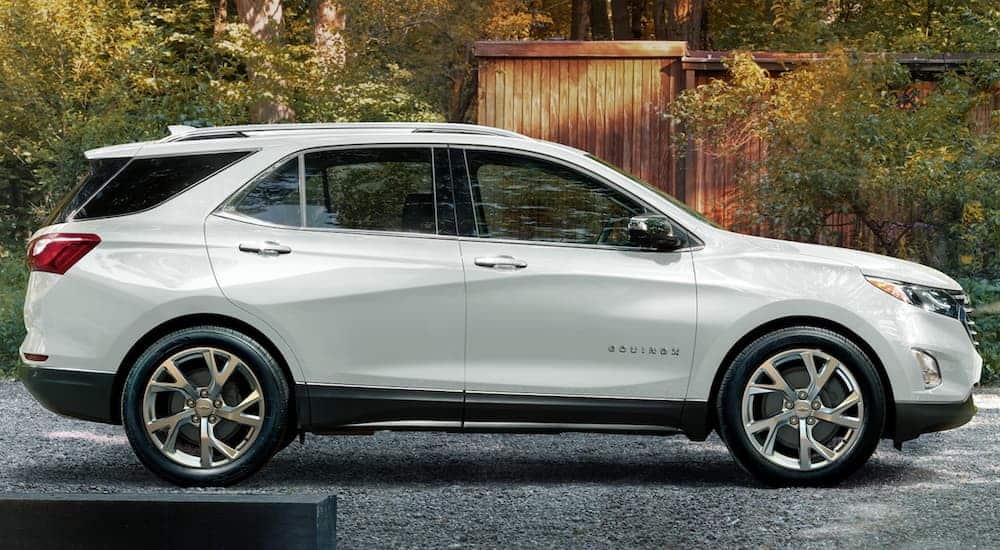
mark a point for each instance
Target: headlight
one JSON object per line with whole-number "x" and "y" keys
{"x": 931, "y": 299}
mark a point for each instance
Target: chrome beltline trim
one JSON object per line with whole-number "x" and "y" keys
{"x": 409, "y": 424}
{"x": 570, "y": 395}
{"x": 564, "y": 426}
{"x": 370, "y": 387}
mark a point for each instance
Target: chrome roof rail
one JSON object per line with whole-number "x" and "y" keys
{"x": 188, "y": 133}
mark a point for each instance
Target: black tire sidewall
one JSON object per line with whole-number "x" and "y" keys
{"x": 260, "y": 362}
{"x": 746, "y": 363}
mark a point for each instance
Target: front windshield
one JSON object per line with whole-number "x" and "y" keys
{"x": 673, "y": 200}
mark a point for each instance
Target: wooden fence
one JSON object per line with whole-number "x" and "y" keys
{"x": 609, "y": 98}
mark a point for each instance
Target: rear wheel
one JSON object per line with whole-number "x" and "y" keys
{"x": 801, "y": 405}
{"x": 205, "y": 406}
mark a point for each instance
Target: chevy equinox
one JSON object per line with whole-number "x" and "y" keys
{"x": 222, "y": 290}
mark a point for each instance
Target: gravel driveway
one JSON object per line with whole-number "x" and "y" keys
{"x": 420, "y": 490}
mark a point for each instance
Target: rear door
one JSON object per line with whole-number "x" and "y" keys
{"x": 350, "y": 254}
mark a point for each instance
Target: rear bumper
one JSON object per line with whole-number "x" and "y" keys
{"x": 78, "y": 394}
{"x": 913, "y": 419}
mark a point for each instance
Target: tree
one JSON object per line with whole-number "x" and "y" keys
{"x": 432, "y": 41}
{"x": 579, "y": 20}
{"x": 685, "y": 21}
{"x": 329, "y": 20}
{"x": 221, "y": 17}
{"x": 620, "y": 19}
{"x": 659, "y": 19}
{"x": 871, "y": 25}
{"x": 600, "y": 27}
{"x": 265, "y": 18}
{"x": 637, "y": 9}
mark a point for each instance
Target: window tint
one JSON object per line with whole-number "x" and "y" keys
{"x": 528, "y": 199}
{"x": 273, "y": 197}
{"x": 98, "y": 172}
{"x": 446, "y": 222}
{"x": 384, "y": 189}
{"x": 145, "y": 183}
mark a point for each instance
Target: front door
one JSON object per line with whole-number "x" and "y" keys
{"x": 350, "y": 254}
{"x": 568, "y": 321}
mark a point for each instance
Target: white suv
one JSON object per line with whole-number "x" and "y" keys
{"x": 224, "y": 289}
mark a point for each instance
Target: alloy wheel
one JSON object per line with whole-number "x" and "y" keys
{"x": 802, "y": 409}
{"x": 203, "y": 407}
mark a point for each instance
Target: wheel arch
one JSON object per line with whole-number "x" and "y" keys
{"x": 193, "y": 320}
{"x": 794, "y": 321}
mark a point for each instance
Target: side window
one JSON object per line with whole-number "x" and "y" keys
{"x": 528, "y": 199}
{"x": 273, "y": 197}
{"x": 148, "y": 182}
{"x": 99, "y": 172}
{"x": 382, "y": 189}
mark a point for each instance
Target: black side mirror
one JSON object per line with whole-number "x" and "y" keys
{"x": 653, "y": 232}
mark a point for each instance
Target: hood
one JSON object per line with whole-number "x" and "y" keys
{"x": 886, "y": 267}
{"x": 871, "y": 264}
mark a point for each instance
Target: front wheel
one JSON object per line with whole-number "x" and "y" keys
{"x": 801, "y": 406}
{"x": 205, "y": 406}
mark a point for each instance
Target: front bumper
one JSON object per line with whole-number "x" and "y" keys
{"x": 913, "y": 419}
{"x": 78, "y": 394}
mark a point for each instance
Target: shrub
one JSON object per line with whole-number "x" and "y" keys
{"x": 985, "y": 296}
{"x": 13, "y": 277}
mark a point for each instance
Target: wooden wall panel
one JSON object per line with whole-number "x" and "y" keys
{"x": 611, "y": 107}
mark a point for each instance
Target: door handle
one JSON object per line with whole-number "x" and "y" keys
{"x": 501, "y": 262}
{"x": 268, "y": 248}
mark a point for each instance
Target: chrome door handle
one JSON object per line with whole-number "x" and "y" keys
{"x": 501, "y": 262}
{"x": 268, "y": 248}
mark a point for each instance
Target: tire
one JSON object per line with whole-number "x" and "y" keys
{"x": 840, "y": 431}
{"x": 200, "y": 414}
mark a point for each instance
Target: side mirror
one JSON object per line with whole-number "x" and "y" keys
{"x": 653, "y": 232}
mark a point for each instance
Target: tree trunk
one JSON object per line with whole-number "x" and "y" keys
{"x": 620, "y": 19}
{"x": 329, "y": 21}
{"x": 636, "y": 11}
{"x": 221, "y": 17}
{"x": 685, "y": 22}
{"x": 579, "y": 20}
{"x": 659, "y": 19}
{"x": 264, "y": 17}
{"x": 464, "y": 88}
{"x": 600, "y": 27}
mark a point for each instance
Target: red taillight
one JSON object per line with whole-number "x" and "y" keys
{"x": 57, "y": 252}
{"x": 37, "y": 357}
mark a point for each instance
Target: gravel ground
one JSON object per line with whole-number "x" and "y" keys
{"x": 423, "y": 490}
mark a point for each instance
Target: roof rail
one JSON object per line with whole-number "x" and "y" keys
{"x": 187, "y": 133}
{"x": 180, "y": 129}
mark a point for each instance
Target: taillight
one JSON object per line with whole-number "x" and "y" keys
{"x": 57, "y": 252}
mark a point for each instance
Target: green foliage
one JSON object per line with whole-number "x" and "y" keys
{"x": 74, "y": 76}
{"x": 13, "y": 277}
{"x": 856, "y": 137}
{"x": 433, "y": 40}
{"x": 867, "y": 25}
{"x": 985, "y": 296}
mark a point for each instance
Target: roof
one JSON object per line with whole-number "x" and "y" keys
{"x": 704, "y": 60}
{"x": 227, "y": 137}
{"x": 580, "y": 48}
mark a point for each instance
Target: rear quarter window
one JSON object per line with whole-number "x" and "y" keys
{"x": 99, "y": 171}
{"x": 147, "y": 182}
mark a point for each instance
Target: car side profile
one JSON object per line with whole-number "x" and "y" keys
{"x": 222, "y": 290}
